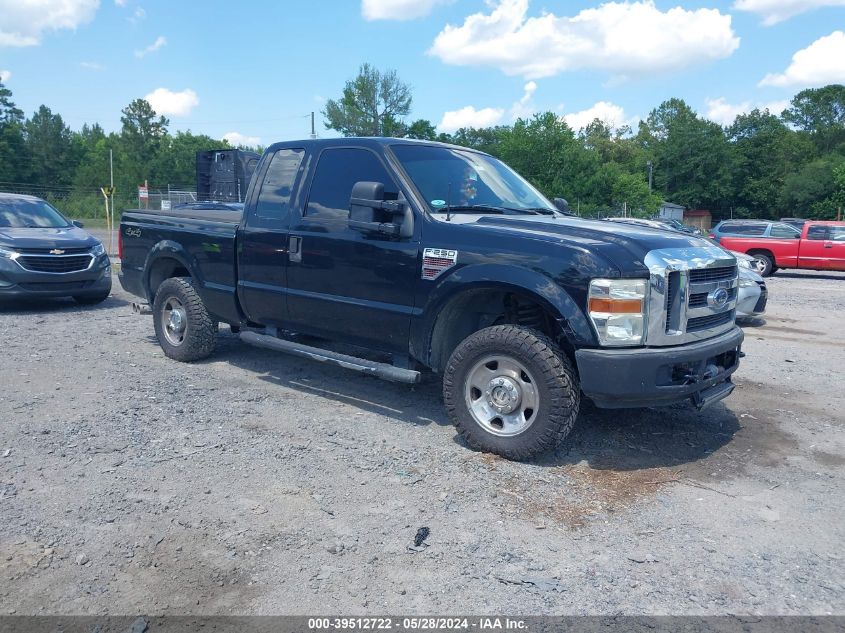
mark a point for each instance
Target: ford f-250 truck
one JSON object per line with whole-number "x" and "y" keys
{"x": 443, "y": 258}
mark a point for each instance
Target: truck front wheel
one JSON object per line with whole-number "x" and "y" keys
{"x": 183, "y": 326}
{"x": 509, "y": 390}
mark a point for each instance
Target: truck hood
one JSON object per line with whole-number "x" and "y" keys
{"x": 623, "y": 245}
{"x": 63, "y": 237}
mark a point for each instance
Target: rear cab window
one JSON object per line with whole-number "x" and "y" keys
{"x": 817, "y": 232}
{"x": 784, "y": 231}
{"x": 743, "y": 228}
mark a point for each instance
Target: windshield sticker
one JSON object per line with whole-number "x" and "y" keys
{"x": 438, "y": 203}
{"x": 436, "y": 261}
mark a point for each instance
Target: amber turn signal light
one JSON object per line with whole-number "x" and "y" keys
{"x": 616, "y": 306}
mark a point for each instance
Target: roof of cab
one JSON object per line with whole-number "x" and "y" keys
{"x": 359, "y": 141}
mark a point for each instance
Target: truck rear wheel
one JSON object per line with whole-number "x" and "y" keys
{"x": 509, "y": 390}
{"x": 768, "y": 267}
{"x": 183, "y": 326}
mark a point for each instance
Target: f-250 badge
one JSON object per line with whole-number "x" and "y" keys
{"x": 436, "y": 261}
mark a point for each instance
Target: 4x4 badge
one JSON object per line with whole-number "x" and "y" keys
{"x": 436, "y": 261}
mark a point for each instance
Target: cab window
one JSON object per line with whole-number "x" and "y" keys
{"x": 817, "y": 232}
{"x": 277, "y": 186}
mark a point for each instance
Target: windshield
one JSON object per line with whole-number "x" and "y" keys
{"x": 23, "y": 213}
{"x": 444, "y": 175}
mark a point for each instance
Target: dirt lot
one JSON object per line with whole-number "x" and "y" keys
{"x": 258, "y": 483}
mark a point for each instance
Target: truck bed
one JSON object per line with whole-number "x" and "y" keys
{"x": 202, "y": 241}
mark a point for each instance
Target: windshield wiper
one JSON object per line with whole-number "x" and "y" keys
{"x": 485, "y": 208}
{"x": 540, "y": 210}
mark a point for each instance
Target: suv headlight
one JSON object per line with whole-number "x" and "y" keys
{"x": 744, "y": 263}
{"x": 617, "y": 308}
{"x": 98, "y": 250}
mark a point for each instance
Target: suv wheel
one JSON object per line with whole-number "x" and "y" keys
{"x": 183, "y": 326}
{"x": 509, "y": 390}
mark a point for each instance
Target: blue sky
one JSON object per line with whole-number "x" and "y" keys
{"x": 257, "y": 69}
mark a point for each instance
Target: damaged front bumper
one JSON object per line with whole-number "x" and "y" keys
{"x": 656, "y": 376}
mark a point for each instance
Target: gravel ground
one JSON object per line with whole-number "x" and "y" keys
{"x": 256, "y": 483}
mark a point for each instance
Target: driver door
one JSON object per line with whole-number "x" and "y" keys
{"x": 344, "y": 284}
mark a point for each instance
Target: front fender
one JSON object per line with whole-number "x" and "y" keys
{"x": 530, "y": 283}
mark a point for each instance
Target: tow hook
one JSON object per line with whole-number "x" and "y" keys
{"x": 141, "y": 308}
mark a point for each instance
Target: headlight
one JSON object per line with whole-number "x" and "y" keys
{"x": 98, "y": 250}
{"x": 744, "y": 263}
{"x": 617, "y": 309}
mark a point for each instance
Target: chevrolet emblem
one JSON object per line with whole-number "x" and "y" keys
{"x": 57, "y": 251}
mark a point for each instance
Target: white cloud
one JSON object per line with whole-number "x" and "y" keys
{"x": 120, "y": 3}
{"x": 822, "y": 62}
{"x": 152, "y": 48}
{"x": 236, "y": 139}
{"x": 524, "y": 108}
{"x": 724, "y": 113}
{"x": 5, "y": 76}
{"x": 609, "y": 113}
{"x": 397, "y": 9}
{"x": 623, "y": 38}
{"x": 91, "y": 65}
{"x": 468, "y": 116}
{"x": 165, "y": 101}
{"x": 24, "y": 22}
{"x": 774, "y": 11}
{"x": 138, "y": 15}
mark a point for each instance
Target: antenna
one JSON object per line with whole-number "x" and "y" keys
{"x": 449, "y": 203}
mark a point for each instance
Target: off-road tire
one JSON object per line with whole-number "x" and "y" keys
{"x": 557, "y": 386}
{"x": 200, "y": 330}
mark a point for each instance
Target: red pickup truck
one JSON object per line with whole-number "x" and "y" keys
{"x": 820, "y": 247}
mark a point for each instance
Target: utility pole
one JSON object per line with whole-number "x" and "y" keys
{"x": 111, "y": 194}
{"x": 313, "y": 133}
{"x": 649, "y": 165}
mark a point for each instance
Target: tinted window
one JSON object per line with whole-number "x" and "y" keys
{"x": 817, "y": 232}
{"x": 782, "y": 230}
{"x": 274, "y": 197}
{"x": 23, "y": 213}
{"x": 742, "y": 228}
{"x": 337, "y": 171}
{"x": 837, "y": 233}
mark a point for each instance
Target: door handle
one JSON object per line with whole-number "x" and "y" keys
{"x": 828, "y": 245}
{"x": 295, "y": 249}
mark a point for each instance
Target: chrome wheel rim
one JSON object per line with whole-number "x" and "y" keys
{"x": 501, "y": 395}
{"x": 175, "y": 321}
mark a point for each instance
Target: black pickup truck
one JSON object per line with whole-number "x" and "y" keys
{"x": 442, "y": 258}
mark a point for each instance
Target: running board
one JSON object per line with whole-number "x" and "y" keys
{"x": 380, "y": 370}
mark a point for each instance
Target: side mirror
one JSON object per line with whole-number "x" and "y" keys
{"x": 78, "y": 224}
{"x": 369, "y": 212}
{"x": 562, "y": 205}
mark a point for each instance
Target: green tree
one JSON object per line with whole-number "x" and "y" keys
{"x": 820, "y": 112}
{"x": 15, "y": 162}
{"x": 142, "y": 136}
{"x": 692, "y": 157}
{"x": 372, "y": 104}
{"x": 422, "y": 129}
{"x": 51, "y": 148}
{"x": 765, "y": 151}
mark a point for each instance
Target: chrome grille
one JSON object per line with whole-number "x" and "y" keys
{"x": 702, "y": 275}
{"x": 692, "y": 294}
{"x": 55, "y": 263}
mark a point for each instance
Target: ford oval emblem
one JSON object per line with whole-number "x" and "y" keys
{"x": 718, "y": 298}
